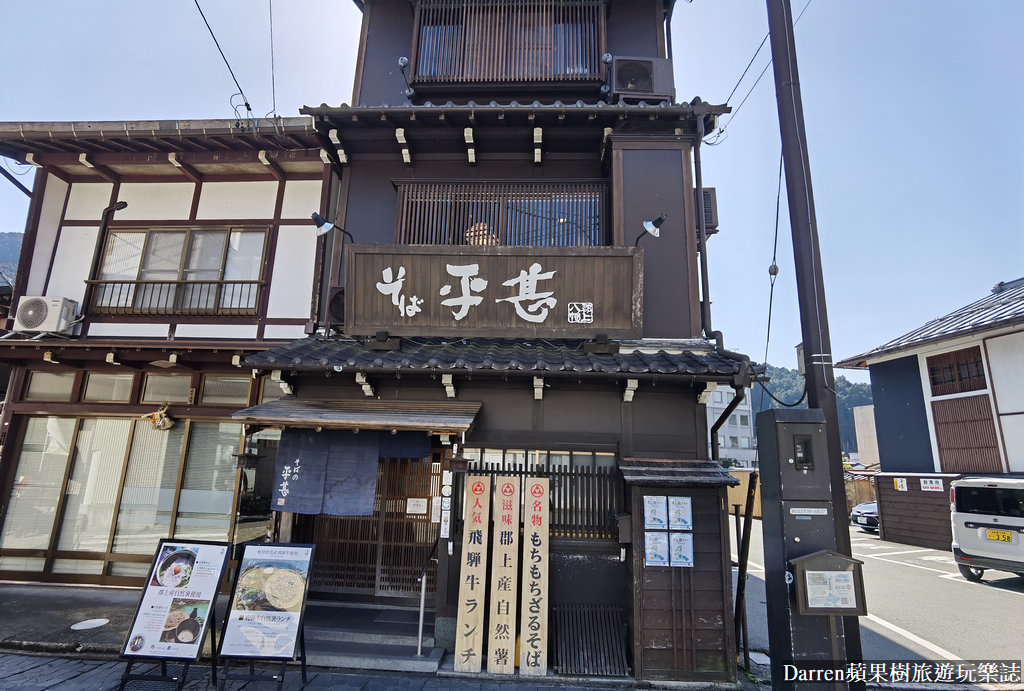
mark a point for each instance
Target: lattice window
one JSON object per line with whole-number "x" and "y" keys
{"x": 559, "y": 214}
{"x": 956, "y": 372}
{"x": 504, "y": 41}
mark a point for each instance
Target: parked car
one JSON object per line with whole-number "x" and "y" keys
{"x": 987, "y": 515}
{"x": 865, "y": 516}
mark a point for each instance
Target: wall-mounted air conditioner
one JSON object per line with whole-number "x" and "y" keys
{"x": 710, "y": 210}
{"x": 641, "y": 79}
{"x": 44, "y": 314}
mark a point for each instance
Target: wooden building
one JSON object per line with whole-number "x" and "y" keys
{"x": 511, "y": 290}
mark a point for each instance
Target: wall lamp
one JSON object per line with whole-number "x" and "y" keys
{"x": 652, "y": 227}
{"x": 323, "y": 227}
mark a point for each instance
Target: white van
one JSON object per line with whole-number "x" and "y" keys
{"x": 987, "y": 514}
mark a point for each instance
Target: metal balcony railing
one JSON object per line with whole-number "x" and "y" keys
{"x": 176, "y": 298}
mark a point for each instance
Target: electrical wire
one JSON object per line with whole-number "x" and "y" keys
{"x": 7, "y": 164}
{"x": 718, "y": 133}
{"x": 241, "y": 93}
{"x": 273, "y": 72}
{"x": 773, "y": 272}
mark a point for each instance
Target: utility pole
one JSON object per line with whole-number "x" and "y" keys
{"x": 810, "y": 285}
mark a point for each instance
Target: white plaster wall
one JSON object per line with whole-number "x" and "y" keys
{"x": 72, "y": 262}
{"x": 292, "y": 284}
{"x": 301, "y": 198}
{"x": 129, "y": 330}
{"x": 222, "y": 331}
{"x": 88, "y": 200}
{"x": 156, "y": 201}
{"x": 283, "y": 332}
{"x": 1006, "y": 362}
{"x": 1013, "y": 435}
{"x": 237, "y": 200}
{"x": 49, "y": 221}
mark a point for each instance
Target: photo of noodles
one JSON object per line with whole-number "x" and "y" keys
{"x": 270, "y": 586}
{"x": 175, "y": 568}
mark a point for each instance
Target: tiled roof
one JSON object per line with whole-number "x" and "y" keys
{"x": 528, "y": 357}
{"x": 1003, "y": 307}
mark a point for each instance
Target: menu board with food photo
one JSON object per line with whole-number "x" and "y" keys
{"x": 267, "y": 603}
{"x": 174, "y": 611}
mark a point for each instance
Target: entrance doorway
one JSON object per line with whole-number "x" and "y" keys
{"x": 382, "y": 555}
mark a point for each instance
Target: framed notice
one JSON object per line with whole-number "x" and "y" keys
{"x": 268, "y": 601}
{"x": 177, "y": 602}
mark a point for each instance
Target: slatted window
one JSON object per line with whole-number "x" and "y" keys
{"x": 957, "y": 372}
{"x": 505, "y": 41}
{"x": 561, "y": 214}
{"x": 586, "y": 488}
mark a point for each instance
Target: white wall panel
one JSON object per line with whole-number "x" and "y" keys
{"x": 284, "y": 332}
{"x": 1013, "y": 435}
{"x": 1006, "y": 362}
{"x": 129, "y": 330}
{"x": 72, "y": 262}
{"x": 301, "y": 198}
{"x": 88, "y": 200}
{"x": 292, "y": 284}
{"x": 49, "y": 221}
{"x": 237, "y": 200}
{"x": 156, "y": 201}
{"x": 221, "y": 331}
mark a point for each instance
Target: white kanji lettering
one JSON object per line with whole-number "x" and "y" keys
{"x": 527, "y": 284}
{"x": 469, "y": 283}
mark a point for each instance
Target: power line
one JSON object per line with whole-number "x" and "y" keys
{"x": 245, "y": 100}
{"x": 717, "y": 134}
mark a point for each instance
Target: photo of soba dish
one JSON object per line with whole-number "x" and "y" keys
{"x": 175, "y": 568}
{"x": 270, "y": 586}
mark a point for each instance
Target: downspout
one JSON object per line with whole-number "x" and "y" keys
{"x": 742, "y": 378}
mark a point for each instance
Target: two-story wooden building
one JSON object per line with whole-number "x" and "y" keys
{"x": 513, "y": 287}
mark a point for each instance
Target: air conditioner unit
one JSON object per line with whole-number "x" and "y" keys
{"x": 44, "y": 314}
{"x": 336, "y": 305}
{"x": 642, "y": 79}
{"x": 710, "y": 209}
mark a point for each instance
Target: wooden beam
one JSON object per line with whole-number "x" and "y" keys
{"x": 271, "y": 165}
{"x": 185, "y": 169}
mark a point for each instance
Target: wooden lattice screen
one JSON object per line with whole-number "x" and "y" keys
{"x": 508, "y": 40}
{"x": 552, "y": 214}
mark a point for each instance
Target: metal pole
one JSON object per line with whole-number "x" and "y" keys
{"x": 423, "y": 602}
{"x": 807, "y": 263}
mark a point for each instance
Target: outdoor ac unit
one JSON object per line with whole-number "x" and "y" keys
{"x": 336, "y": 305}
{"x": 710, "y": 210}
{"x": 44, "y": 314}
{"x": 642, "y": 79}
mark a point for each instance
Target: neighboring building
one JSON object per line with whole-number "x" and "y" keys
{"x": 736, "y": 437}
{"x": 494, "y": 305}
{"x": 949, "y": 395}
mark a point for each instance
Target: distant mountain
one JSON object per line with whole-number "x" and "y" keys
{"x": 787, "y": 385}
{"x": 10, "y": 252}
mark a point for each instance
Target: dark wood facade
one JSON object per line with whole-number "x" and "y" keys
{"x": 915, "y": 516}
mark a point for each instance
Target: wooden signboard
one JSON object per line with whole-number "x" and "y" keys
{"x": 501, "y": 646}
{"x": 534, "y": 627}
{"x": 446, "y": 290}
{"x": 469, "y": 636}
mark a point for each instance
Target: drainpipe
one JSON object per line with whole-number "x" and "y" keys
{"x": 742, "y": 378}
{"x": 97, "y": 253}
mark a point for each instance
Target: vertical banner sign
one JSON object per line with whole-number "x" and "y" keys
{"x": 501, "y": 646}
{"x": 469, "y": 628}
{"x": 534, "y": 627}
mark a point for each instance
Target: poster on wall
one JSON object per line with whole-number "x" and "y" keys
{"x": 268, "y": 601}
{"x": 655, "y": 549}
{"x": 655, "y": 512}
{"x": 680, "y": 513}
{"x": 681, "y": 549}
{"x": 173, "y": 614}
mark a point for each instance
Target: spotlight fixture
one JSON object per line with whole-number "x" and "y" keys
{"x": 652, "y": 227}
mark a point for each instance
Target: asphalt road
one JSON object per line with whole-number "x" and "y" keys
{"x": 919, "y": 607}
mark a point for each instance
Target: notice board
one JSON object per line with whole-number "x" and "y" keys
{"x": 177, "y": 602}
{"x": 268, "y": 601}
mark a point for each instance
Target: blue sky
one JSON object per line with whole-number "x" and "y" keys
{"x": 913, "y": 113}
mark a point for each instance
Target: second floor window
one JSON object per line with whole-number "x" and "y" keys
{"x": 508, "y": 40}
{"x": 181, "y": 271}
{"x": 554, "y": 214}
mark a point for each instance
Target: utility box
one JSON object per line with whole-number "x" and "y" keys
{"x": 798, "y": 524}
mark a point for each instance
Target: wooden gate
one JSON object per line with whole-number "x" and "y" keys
{"x": 382, "y": 555}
